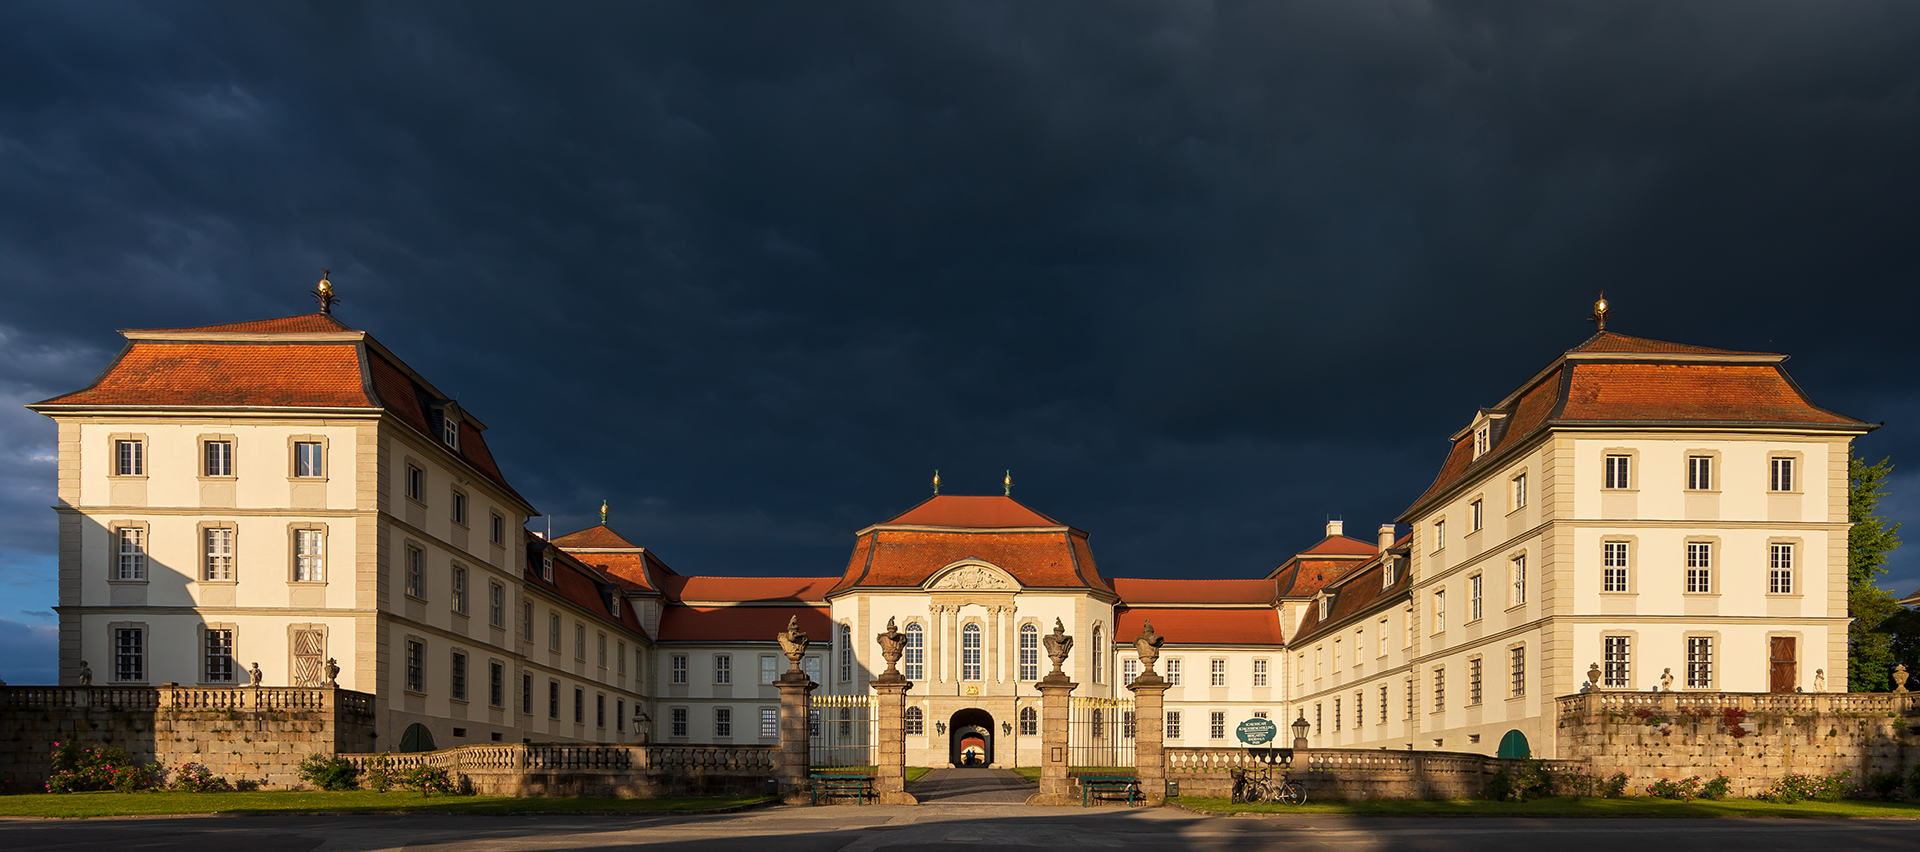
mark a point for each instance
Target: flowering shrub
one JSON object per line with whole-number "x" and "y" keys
{"x": 194, "y": 778}
{"x": 1614, "y": 786}
{"x": 380, "y": 775}
{"x": 1818, "y": 788}
{"x": 428, "y": 780}
{"x": 77, "y": 769}
{"x": 1717, "y": 788}
{"x": 329, "y": 773}
{"x": 1686, "y": 789}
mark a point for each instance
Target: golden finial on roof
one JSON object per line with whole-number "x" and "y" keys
{"x": 603, "y": 513}
{"x": 1008, "y": 482}
{"x": 324, "y": 292}
{"x": 936, "y": 482}
{"x": 1600, "y": 311}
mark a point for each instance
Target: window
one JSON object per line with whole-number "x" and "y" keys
{"x": 1029, "y": 722}
{"x": 459, "y": 508}
{"x": 1519, "y": 579}
{"x": 1700, "y": 662}
{"x": 218, "y": 567}
{"x": 1387, "y": 566}
{"x": 546, "y": 566}
{"x": 1439, "y": 688}
{"x": 1383, "y": 638}
{"x": 970, "y": 652}
{"x": 1173, "y": 724}
{"x": 416, "y": 666}
{"x": 1473, "y": 680}
{"x": 1616, "y": 653}
{"x": 1383, "y": 701}
{"x": 1359, "y": 709}
{"x": 308, "y": 459}
{"x": 450, "y": 434}
{"x": 497, "y": 529}
{"x": 1520, "y": 491}
{"x": 1099, "y": 654}
{"x": 846, "y": 723}
{"x": 1317, "y": 718}
{"x": 496, "y": 684}
{"x": 620, "y": 658}
{"x": 553, "y": 632}
{"x": 916, "y": 651}
{"x": 1216, "y": 672}
{"x": 1781, "y": 474}
{"x": 1336, "y": 714}
{"x": 1473, "y": 598}
{"x": 218, "y": 458}
{"x": 846, "y": 653}
{"x": 1217, "y": 725}
{"x": 526, "y": 621}
{"x": 416, "y": 483}
{"x": 1259, "y": 673}
{"x": 677, "y": 720}
{"x": 1410, "y": 698}
{"x": 131, "y": 458}
{"x": 1780, "y": 569}
{"x": 1325, "y": 604}
{"x": 1173, "y": 671}
{"x": 600, "y": 710}
{"x": 1518, "y": 666}
{"x": 770, "y": 721}
{"x": 309, "y": 556}
{"x": 1617, "y": 472}
{"x": 133, "y": 554}
{"x": 1439, "y": 535}
{"x": 769, "y": 670}
{"x": 1029, "y": 652}
{"x": 620, "y": 715}
{"x": 723, "y": 668}
{"x": 579, "y": 641}
{"x": 460, "y": 589}
{"x": 1613, "y": 562}
{"x": 1699, "y": 473}
{"x": 1477, "y": 511}
{"x": 600, "y": 650}
{"x": 1129, "y": 670}
{"x": 1699, "y": 567}
{"x": 553, "y": 700}
{"x": 526, "y": 694}
{"x": 579, "y": 706}
{"x": 1440, "y": 611}
{"x": 130, "y": 654}
{"x": 416, "y": 572}
{"x": 459, "y": 679}
{"x": 219, "y": 666}
{"x": 1481, "y": 439}
{"x": 678, "y": 669}
{"x": 1336, "y": 655}
{"x": 496, "y": 605}
{"x": 1129, "y": 724}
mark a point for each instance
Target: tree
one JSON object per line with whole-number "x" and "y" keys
{"x": 1870, "y": 656}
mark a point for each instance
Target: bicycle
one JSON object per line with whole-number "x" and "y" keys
{"x": 1258, "y": 785}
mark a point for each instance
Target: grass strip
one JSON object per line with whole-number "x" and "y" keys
{"x": 1565, "y": 806}
{"x": 81, "y": 805}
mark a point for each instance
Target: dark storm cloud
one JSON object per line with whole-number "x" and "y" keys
{"x": 1200, "y": 274}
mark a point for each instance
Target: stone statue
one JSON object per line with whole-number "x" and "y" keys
{"x": 86, "y": 674}
{"x": 254, "y": 675}
{"x": 1819, "y": 680}
{"x": 1593, "y": 678}
{"x": 1058, "y": 645}
{"x": 1666, "y": 680}
{"x": 1899, "y": 677}
{"x": 333, "y": 672}
{"x": 793, "y": 642}
{"x": 1148, "y": 646}
{"x": 892, "y": 644}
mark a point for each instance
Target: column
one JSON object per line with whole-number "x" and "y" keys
{"x": 953, "y": 644}
{"x": 890, "y": 771}
{"x": 796, "y": 737}
{"x": 991, "y": 636}
{"x": 1010, "y": 645}
{"x": 1056, "y": 696}
{"x": 1149, "y": 735}
{"x": 935, "y": 674}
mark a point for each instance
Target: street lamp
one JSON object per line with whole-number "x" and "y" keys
{"x": 1300, "y": 728}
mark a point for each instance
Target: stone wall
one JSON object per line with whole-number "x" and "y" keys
{"x": 557, "y": 771}
{"x": 243, "y": 733}
{"x": 1652, "y": 735}
{"x": 1349, "y": 774}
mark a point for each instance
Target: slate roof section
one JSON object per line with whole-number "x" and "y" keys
{"x": 1354, "y": 594}
{"x": 581, "y": 584}
{"x": 742, "y": 623}
{"x": 1209, "y": 626}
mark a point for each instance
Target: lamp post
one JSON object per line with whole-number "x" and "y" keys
{"x": 1300, "y": 728}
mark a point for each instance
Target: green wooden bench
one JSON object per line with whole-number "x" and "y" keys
{"x": 1108, "y": 787}
{"x": 829, "y": 785}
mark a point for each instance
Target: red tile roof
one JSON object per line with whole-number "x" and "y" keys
{"x": 304, "y": 323}
{"x": 750, "y": 589}
{"x": 406, "y": 400}
{"x": 597, "y": 536}
{"x": 741, "y": 623}
{"x": 582, "y": 585}
{"x": 895, "y": 557}
{"x": 1340, "y": 545}
{"x": 1302, "y": 577}
{"x": 1203, "y": 626}
{"x": 976, "y": 512}
{"x": 1608, "y": 341}
{"x": 307, "y": 375}
{"x": 1353, "y": 595}
{"x": 1134, "y": 592}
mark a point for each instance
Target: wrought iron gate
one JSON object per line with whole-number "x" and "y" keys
{"x": 843, "y": 728}
{"x": 1100, "y": 732}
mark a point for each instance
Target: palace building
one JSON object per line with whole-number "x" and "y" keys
{"x": 289, "y": 493}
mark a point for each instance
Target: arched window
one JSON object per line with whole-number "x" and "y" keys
{"x": 916, "y": 722}
{"x": 1099, "y": 654}
{"x": 970, "y": 652}
{"x": 846, "y": 653}
{"x": 1029, "y": 652}
{"x": 1029, "y": 722}
{"x": 916, "y": 652}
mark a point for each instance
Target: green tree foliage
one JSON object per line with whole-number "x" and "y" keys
{"x": 1870, "y": 657}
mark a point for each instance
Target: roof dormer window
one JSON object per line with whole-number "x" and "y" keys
{"x": 1482, "y": 439}
{"x": 1326, "y": 607}
{"x": 1386, "y": 573}
{"x": 450, "y": 432}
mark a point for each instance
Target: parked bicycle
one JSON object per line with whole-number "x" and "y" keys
{"x": 1259, "y": 785}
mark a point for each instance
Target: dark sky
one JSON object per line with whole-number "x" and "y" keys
{"x": 1200, "y": 274}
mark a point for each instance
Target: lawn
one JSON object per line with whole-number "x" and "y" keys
{"x": 1031, "y": 773}
{"x": 913, "y": 773}
{"x": 1637, "y": 806}
{"x": 115, "y": 804}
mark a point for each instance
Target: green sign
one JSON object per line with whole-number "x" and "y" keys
{"x": 1256, "y": 732}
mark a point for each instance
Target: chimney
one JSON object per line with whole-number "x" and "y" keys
{"x": 1334, "y": 528}
{"x": 1386, "y": 537}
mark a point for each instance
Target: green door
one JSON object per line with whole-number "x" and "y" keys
{"x": 1514, "y": 746}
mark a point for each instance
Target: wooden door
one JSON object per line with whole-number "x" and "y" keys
{"x": 309, "y": 651}
{"x": 1784, "y": 676}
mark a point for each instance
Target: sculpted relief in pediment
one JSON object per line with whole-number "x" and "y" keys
{"x": 975, "y": 578}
